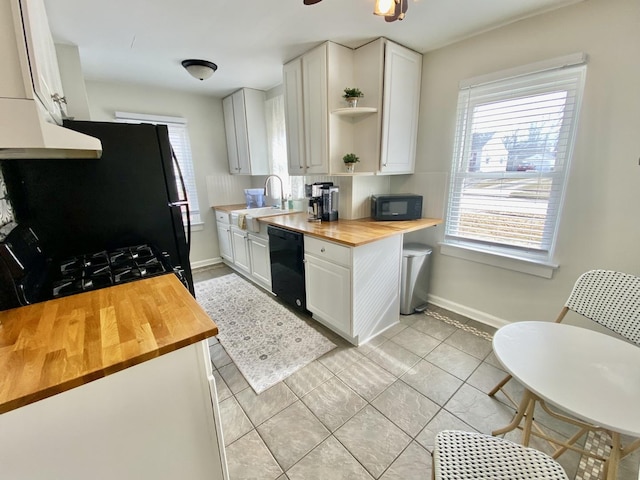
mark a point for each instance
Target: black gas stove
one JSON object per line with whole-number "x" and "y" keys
{"x": 105, "y": 268}
{"x": 28, "y": 276}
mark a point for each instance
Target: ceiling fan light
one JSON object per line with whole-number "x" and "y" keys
{"x": 200, "y": 69}
{"x": 384, "y": 7}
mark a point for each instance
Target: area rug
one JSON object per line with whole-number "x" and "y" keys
{"x": 265, "y": 340}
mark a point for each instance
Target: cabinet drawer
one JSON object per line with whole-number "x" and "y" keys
{"x": 329, "y": 251}
{"x": 222, "y": 217}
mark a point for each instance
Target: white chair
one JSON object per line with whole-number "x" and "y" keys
{"x": 461, "y": 455}
{"x": 607, "y": 297}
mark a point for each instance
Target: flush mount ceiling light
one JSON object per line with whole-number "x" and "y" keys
{"x": 391, "y": 10}
{"x": 200, "y": 69}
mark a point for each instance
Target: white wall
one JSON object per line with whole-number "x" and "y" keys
{"x": 600, "y": 226}
{"x": 206, "y": 132}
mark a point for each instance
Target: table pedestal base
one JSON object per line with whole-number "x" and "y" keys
{"x": 526, "y": 410}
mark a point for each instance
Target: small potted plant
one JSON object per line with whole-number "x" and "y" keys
{"x": 350, "y": 160}
{"x": 351, "y": 95}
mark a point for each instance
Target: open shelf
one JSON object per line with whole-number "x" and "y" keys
{"x": 354, "y": 111}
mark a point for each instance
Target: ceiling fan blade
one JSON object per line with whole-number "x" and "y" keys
{"x": 311, "y": 2}
{"x": 401, "y": 10}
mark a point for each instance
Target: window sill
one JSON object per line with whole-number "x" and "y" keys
{"x": 197, "y": 227}
{"x": 531, "y": 267}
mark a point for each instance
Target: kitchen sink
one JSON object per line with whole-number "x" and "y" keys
{"x": 263, "y": 211}
{"x": 252, "y": 215}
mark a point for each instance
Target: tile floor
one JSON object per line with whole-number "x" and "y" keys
{"x": 373, "y": 411}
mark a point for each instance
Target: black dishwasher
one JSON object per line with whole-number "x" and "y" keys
{"x": 286, "y": 249}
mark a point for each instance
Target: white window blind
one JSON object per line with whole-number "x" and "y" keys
{"x": 512, "y": 151}
{"x": 179, "y": 139}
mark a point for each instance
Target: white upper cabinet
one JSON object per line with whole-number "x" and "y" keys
{"x": 246, "y": 132}
{"x": 294, "y": 116}
{"x": 32, "y": 48}
{"x": 401, "y": 101}
{"x": 381, "y": 131}
{"x": 314, "y": 89}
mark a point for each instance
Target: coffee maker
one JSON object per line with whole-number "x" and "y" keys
{"x": 319, "y": 209}
{"x": 330, "y": 203}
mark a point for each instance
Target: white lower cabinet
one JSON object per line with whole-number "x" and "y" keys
{"x": 260, "y": 259}
{"x": 246, "y": 252}
{"x": 239, "y": 243}
{"x": 328, "y": 287}
{"x": 355, "y": 291}
{"x": 159, "y": 419}
{"x": 224, "y": 242}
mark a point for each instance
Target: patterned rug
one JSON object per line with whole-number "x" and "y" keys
{"x": 266, "y": 341}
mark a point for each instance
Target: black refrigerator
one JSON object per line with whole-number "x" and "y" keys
{"x": 133, "y": 194}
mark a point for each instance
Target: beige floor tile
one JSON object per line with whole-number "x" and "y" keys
{"x": 328, "y": 461}
{"x": 292, "y": 433}
{"x": 470, "y": 343}
{"x": 367, "y": 378}
{"x": 453, "y": 361}
{"x": 373, "y": 440}
{"x": 340, "y": 358}
{"x": 334, "y": 403}
{"x": 233, "y": 378}
{"x": 264, "y": 406}
{"x": 406, "y": 407}
{"x": 434, "y": 327}
{"x": 482, "y": 412}
{"x": 219, "y": 356}
{"x": 412, "y": 464}
{"x": 221, "y": 387}
{"x": 393, "y": 331}
{"x": 442, "y": 421}
{"x": 372, "y": 344}
{"x": 249, "y": 458}
{"x": 394, "y": 358}
{"x": 432, "y": 381}
{"x": 234, "y": 421}
{"x": 416, "y": 341}
{"x": 308, "y": 378}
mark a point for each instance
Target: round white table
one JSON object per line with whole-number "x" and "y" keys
{"x": 589, "y": 375}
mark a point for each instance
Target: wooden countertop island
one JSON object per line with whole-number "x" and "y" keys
{"x": 50, "y": 347}
{"x": 352, "y": 233}
{"x": 112, "y": 383}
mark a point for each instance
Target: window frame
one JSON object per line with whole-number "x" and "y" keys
{"x": 500, "y": 87}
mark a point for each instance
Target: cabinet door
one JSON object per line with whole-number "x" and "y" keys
{"x": 224, "y": 242}
{"x": 42, "y": 57}
{"x": 260, "y": 260}
{"x": 314, "y": 88}
{"x": 240, "y": 249}
{"x": 292, "y": 79}
{"x": 328, "y": 292}
{"x": 401, "y": 100}
{"x": 230, "y": 132}
{"x": 242, "y": 134}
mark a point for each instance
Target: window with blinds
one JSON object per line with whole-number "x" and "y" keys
{"x": 179, "y": 139}
{"x": 512, "y": 151}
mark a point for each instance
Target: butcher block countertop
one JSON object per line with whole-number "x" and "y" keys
{"x": 347, "y": 232}
{"x": 50, "y": 347}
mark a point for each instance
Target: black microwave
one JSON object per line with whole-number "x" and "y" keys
{"x": 397, "y": 206}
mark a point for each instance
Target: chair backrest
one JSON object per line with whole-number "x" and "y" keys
{"x": 611, "y": 299}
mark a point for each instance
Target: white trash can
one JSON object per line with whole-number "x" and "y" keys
{"x": 416, "y": 265}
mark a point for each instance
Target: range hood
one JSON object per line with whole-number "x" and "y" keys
{"x": 25, "y": 133}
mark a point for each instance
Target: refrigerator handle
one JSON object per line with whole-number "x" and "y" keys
{"x": 185, "y": 202}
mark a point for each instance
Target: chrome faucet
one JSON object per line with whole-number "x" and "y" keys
{"x": 282, "y": 199}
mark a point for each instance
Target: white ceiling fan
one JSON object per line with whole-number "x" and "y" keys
{"x": 391, "y": 10}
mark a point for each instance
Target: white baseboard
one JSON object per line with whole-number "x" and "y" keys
{"x": 471, "y": 313}
{"x": 205, "y": 263}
